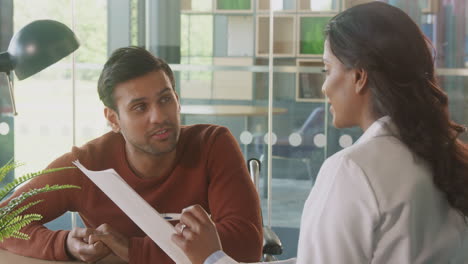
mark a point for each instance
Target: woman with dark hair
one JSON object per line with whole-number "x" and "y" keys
{"x": 400, "y": 193}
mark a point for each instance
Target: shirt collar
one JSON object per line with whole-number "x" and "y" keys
{"x": 381, "y": 127}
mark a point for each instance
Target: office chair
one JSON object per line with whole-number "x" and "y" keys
{"x": 282, "y": 149}
{"x": 271, "y": 243}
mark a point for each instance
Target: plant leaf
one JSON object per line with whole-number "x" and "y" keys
{"x": 9, "y": 166}
{"x": 6, "y": 219}
{"x": 12, "y": 185}
{"x": 20, "y": 235}
{"x": 11, "y": 220}
{"x": 12, "y": 230}
{"x": 15, "y": 202}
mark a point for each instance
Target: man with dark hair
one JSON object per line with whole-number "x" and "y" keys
{"x": 169, "y": 165}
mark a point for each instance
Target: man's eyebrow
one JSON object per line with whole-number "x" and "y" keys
{"x": 164, "y": 90}
{"x": 139, "y": 99}
{"x": 135, "y": 100}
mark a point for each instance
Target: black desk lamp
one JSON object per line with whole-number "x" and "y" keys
{"x": 34, "y": 48}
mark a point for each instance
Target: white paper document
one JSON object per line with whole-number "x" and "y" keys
{"x": 135, "y": 207}
{"x": 287, "y": 261}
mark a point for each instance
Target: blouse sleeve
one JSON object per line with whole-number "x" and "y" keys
{"x": 339, "y": 216}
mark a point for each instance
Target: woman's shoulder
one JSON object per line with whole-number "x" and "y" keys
{"x": 377, "y": 151}
{"x": 392, "y": 171}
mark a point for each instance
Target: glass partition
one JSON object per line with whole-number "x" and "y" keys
{"x": 59, "y": 107}
{"x": 254, "y": 78}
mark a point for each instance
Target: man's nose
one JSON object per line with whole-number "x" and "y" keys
{"x": 156, "y": 115}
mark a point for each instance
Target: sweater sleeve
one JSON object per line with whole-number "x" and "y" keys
{"x": 233, "y": 200}
{"x": 45, "y": 243}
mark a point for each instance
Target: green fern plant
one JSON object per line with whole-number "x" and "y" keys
{"x": 11, "y": 218}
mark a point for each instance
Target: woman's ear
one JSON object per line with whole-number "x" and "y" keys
{"x": 360, "y": 78}
{"x": 112, "y": 119}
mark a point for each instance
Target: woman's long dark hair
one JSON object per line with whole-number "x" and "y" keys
{"x": 390, "y": 47}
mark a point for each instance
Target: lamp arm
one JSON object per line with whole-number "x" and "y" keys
{"x": 6, "y": 62}
{"x": 12, "y": 96}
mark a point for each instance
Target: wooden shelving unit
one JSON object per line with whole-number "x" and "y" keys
{"x": 241, "y": 38}
{"x": 232, "y": 85}
{"x": 306, "y": 6}
{"x": 286, "y": 6}
{"x": 345, "y": 4}
{"x": 233, "y": 6}
{"x": 309, "y": 85}
{"x": 284, "y": 36}
{"x": 194, "y": 6}
{"x": 310, "y": 34}
{"x": 185, "y": 5}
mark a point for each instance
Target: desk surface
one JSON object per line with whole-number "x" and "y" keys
{"x": 8, "y": 257}
{"x": 229, "y": 110}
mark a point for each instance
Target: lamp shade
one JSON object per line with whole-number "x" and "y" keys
{"x": 37, "y": 46}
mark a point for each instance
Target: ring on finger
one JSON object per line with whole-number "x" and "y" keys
{"x": 182, "y": 228}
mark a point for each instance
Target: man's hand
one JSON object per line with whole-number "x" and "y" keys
{"x": 78, "y": 246}
{"x": 115, "y": 241}
{"x": 197, "y": 235}
{"x": 111, "y": 259}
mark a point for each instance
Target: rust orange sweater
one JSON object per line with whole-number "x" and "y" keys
{"x": 210, "y": 171}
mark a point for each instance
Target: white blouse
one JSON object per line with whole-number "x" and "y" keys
{"x": 375, "y": 202}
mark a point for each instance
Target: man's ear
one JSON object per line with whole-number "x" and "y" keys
{"x": 112, "y": 119}
{"x": 178, "y": 100}
{"x": 361, "y": 79}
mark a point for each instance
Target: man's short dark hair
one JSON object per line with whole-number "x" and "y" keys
{"x": 126, "y": 64}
